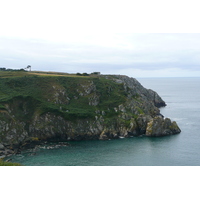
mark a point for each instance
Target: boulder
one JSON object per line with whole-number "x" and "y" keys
{"x": 2, "y": 146}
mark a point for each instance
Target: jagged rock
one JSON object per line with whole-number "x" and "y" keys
{"x": 1, "y": 146}
{"x": 162, "y": 127}
{"x": 94, "y": 100}
{"x": 133, "y": 129}
{"x": 158, "y": 102}
{"x": 104, "y": 135}
{"x": 142, "y": 122}
{"x": 137, "y": 88}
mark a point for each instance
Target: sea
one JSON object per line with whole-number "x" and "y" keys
{"x": 182, "y": 96}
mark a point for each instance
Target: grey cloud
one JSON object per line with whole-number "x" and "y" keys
{"x": 136, "y": 51}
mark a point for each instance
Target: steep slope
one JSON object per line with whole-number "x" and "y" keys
{"x": 38, "y": 108}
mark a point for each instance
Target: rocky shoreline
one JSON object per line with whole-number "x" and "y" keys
{"x": 32, "y": 148}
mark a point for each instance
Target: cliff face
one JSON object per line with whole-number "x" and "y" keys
{"x": 75, "y": 108}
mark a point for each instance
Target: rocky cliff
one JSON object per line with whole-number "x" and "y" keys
{"x": 36, "y": 108}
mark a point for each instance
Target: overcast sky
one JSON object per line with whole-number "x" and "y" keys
{"x": 103, "y": 36}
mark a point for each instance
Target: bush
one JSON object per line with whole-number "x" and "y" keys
{"x": 85, "y": 74}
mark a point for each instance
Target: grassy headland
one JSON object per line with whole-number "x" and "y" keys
{"x": 60, "y": 93}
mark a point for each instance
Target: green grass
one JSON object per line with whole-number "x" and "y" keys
{"x": 5, "y": 163}
{"x": 112, "y": 94}
{"x": 10, "y": 74}
{"x": 33, "y": 92}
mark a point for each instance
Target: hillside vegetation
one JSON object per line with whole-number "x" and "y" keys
{"x": 46, "y": 92}
{"x": 5, "y": 163}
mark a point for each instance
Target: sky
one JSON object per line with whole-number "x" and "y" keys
{"x": 145, "y": 39}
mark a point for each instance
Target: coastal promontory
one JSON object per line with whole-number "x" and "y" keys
{"x": 39, "y": 106}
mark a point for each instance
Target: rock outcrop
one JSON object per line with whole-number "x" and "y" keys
{"x": 76, "y": 108}
{"x": 161, "y": 127}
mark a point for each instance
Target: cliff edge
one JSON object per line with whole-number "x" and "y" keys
{"x": 39, "y": 108}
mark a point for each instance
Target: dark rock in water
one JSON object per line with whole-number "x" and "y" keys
{"x": 8, "y": 160}
{"x": 2, "y": 152}
{"x": 9, "y": 151}
{"x": 17, "y": 151}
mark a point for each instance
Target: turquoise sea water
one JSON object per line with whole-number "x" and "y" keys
{"x": 183, "y": 105}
